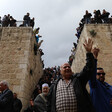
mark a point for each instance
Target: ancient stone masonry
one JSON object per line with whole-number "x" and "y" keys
{"x": 103, "y": 40}
{"x": 18, "y": 64}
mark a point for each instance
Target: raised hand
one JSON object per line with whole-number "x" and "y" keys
{"x": 95, "y": 52}
{"x": 88, "y": 45}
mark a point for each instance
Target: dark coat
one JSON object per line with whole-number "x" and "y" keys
{"x": 6, "y": 101}
{"x": 40, "y": 103}
{"x": 79, "y": 82}
{"x": 17, "y": 105}
{"x": 31, "y": 109}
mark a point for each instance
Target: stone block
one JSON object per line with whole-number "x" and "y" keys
{"x": 103, "y": 40}
{"x": 17, "y": 59}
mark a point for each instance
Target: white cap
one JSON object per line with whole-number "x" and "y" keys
{"x": 45, "y": 84}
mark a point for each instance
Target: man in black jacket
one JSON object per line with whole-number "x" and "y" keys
{"x": 97, "y": 16}
{"x": 6, "y": 97}
{"x": 105, "y": 16}
{"x": 87, "y": 17}
{"x": 17, "y": 103}
{"x": 68, "y": 93}
{"x": 27, "y": 19}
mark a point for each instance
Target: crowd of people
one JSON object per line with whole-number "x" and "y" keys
{"x": 61, "y": 90}
{"x": 10, "y": 21}
{"x": 98, "y": 18}
{"x": 49, "y": 76}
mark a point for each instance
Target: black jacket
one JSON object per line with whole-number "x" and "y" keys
{"x": 17, "y": 105}
{"x": 79, "y": 82}
{"x": 6, "y": 101}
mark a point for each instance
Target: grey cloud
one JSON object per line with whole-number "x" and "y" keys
{"x": 57, "y": 19}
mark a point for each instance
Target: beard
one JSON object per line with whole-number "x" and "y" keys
{"x": 101, "y": 79}
{"x": 45, "y": 93}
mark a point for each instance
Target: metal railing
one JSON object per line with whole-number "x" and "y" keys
{"x": 18, "y": 23}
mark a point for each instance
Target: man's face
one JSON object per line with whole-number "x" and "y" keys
{"x": 66, "y": 71}
{"x": 15, "y": 95}
{"x": 2, "y": 87}
{"x": 45, "y": 90}
{"x": 100, "y": 75}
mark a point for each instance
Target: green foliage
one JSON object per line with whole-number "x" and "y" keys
{"x": 92, "y": 33}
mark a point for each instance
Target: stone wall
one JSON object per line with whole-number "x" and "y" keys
{"x": 18, "y": 64}
{"x": 102, "y": 40}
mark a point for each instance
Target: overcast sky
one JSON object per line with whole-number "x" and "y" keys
{"x": 57, "y": 19}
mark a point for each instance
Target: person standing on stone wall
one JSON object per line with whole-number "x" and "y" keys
{"x": 6, "y": 97}
{"x": 105, "y": 16}
{"x": 97, "y": 16}
{"x": 12, "y": 22}
{"x": 100, "y": 91}
{"x": 87, "y": 17}
{"x": 4, "y": 21}
{"x": 27, "y": 19}
{"x": 32, "y": 22}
